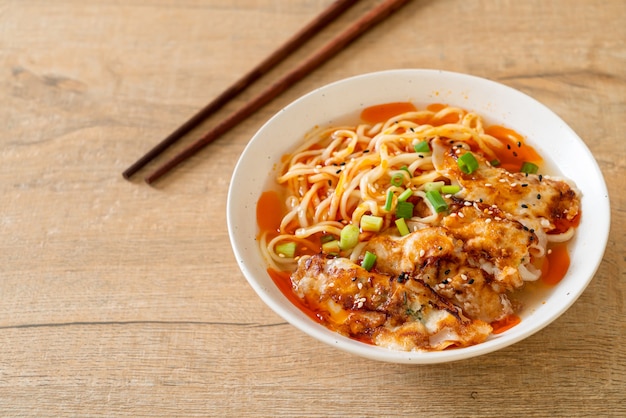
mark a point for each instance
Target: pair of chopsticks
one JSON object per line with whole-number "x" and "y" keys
{"x": 359, "y": 27}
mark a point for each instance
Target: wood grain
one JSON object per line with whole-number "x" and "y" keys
{"x": 120, "y": 299}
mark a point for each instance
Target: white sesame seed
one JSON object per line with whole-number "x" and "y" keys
{"x": 513, "y": 184}
{"x": 463, "y": 276}
{"x": 359, "y": 305}
{"x": 422, "y": 253}
{"x": 461, "y": 215}
{"x": 359, "y": 285}
{"x": 448, "y": 196}
{"x": 497, "y": 218}
{"x": 453, "y": 215}
{"x": 502, "y": 180}
{"x": 488, "y": 220}
{"x": 487, "y": 184}
{"x": 467, "y": 203}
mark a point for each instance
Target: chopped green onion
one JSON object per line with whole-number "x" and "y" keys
{"x": 286, "y": 249}
{"x": 371, "y": 223}
{"x": 421, "y": 147}
{"x": 437, "y": 201}
{"x": 494, "y": 163}
{"x": 404, "y": 210}
{"x": 349, "y": 237}
{"x": 529, "y": 168}
{"x": 451, "y": 189}
{"x": 331, "y": 247}
{"x": 405, "y": 168}
{"x": 327, "y": 238}
{"x": 403, "y": 229}
{"x": 389, "y": 201}
{"x": 368, "y": 261}
{"x": 433, "y": 185}
{"x": 397, "y": 179}
{"x": 405, "y": 195}
{"x": 467, "y": 163}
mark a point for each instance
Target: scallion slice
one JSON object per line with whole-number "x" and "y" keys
{"x": 467, "y": 163}
{"x": 494, "y": 163}
{"x": 286, "y": 249}
{"x": 368, "y": 260}
{"x": 349, "y": 237}
{"x": 529, "y": 168}
{"x": 434, "y": 197}
{"x": 331, "y": 247}
{"x": 403, "y": 229}
{"x": 371, "y": 223}
{"x": 451, "y": 189}
{"x": 388, "y": 201}
{"x": 404, "y": 210}
{"x": 405, "y": 195}
{"x": 421, "y": 147}
{"x": 397, "y": 179}
{"x": 433, "y": 185}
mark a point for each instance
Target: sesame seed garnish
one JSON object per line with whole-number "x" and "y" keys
{"x": 550, "y": 251}
{"x": 513, "y": 184}
{"x": 502, "y": 180}
{"x": 525, "y": 206}
{"x": 538, "y": 196}
{"x": 422, "y": 253}
{"x": 487, "y": 184}
{"x": 461, "y": 215}
{"x": 525, "y": 185}
{"x": 453, "y": 215}
{"x": 488, "y": 220}
{"x": 519, "y": 144}
{"x": 464, "y": 276}
{"x": 467, "y": 203}
{"x": 359, "y": 285}
{"x": 497, "y": 218}
{"x": 471, "y": 281}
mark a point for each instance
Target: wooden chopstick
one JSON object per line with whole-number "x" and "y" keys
{"x": 359, "y": 27}
{"x": 296, "y": 41}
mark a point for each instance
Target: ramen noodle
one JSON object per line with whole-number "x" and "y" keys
{"x": 414, "y": 229}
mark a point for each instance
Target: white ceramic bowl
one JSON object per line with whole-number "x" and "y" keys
{"x": 497, "y": 103}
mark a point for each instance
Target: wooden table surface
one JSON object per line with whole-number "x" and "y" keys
{"x": 118, "y": 298}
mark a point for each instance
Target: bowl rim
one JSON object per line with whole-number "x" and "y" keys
{"x": 285, "y": 309}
